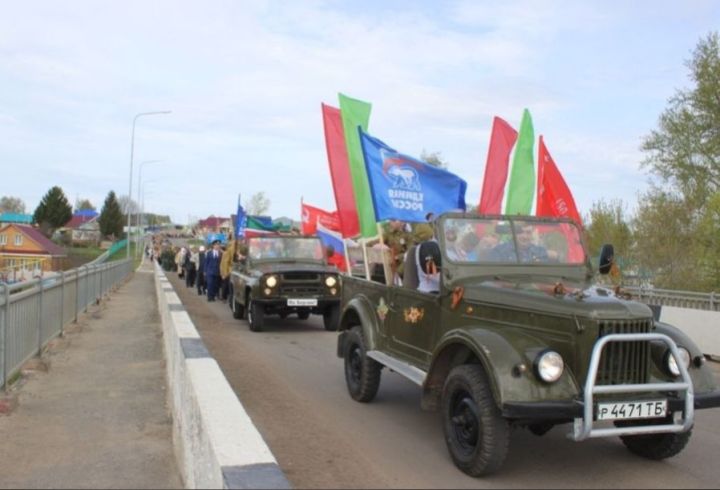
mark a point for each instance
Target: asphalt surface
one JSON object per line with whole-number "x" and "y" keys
{"x": 98, "y": 417}
{"x": 292, "y": 385}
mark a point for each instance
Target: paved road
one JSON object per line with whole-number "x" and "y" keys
{"x": 292, "y": 385}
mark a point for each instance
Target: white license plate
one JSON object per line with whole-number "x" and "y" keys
{"x": 302, "y": 302}
{"x": 648, "y": 409}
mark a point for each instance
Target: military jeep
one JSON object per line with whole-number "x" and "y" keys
{"x": 501, "y": 323}
{"x": 284, "y": 275}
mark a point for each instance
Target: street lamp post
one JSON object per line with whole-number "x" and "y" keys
{"x": 132, "y": 149}
{"x": 137, "y": 215}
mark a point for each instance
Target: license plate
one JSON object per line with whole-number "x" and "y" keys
{"x": 648, "y": 409}
{"x": 302, "y": 302}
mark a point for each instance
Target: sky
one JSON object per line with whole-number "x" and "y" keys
{"x": 245, "y": 79}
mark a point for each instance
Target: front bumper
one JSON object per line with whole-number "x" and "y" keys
{"x": 569, "y": 410}
{"x": 281, "y": 303}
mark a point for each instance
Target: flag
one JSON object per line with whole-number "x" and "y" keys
{"x": 340, "y": 171}
{"x": 334, "y": 238}
{"x": 522, "y": 176}
{"x": 356, "y": 113}
{"x": 553, "y": 195}
{"x": 312, "y": 216}
{"x": 240, "y": 220}
{"x": 502, "y": 139}
{"x": 407, "y": 189}
{"x": 259, "y": 226}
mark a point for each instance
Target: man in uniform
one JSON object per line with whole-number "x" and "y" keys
{"x": 236, "y": 250}
{"x": 212, "y": 270}
{"x": 398, "y": 239}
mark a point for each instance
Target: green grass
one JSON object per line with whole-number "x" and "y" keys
{"x": 122, "y": 255}
{"x": 89, "y": 252}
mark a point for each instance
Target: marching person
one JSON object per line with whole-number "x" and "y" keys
{"x": 212, "y": 270}
{"x": 190, "y": 267}
{"x": 201, "y": 284}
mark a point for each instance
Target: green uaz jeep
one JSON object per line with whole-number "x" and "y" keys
{"x": 501, "y": 324}
{"x": 284, "y": 275}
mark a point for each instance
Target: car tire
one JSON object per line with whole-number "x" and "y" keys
{"x": 655, "y": 446}
{"x": 303, "y": 314}
{"x": 256, "y": 316}
{"x": 331, "y": 318}
{"x": 362, "y": 374}
{"x": 476, "y": 434}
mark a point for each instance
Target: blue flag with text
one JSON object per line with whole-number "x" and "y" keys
{"x": 406, "y": 189}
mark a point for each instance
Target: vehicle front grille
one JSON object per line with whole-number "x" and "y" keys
{"x": 624, "y": 362}
{"x": 301, "y": 276}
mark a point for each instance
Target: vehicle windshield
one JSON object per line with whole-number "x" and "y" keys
{"x": 285, "y": 248}
{"x": 476, "y": 240}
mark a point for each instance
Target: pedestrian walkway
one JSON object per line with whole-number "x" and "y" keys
{"x": 98, "y": 417}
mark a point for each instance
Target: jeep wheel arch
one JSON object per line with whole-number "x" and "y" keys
{"x": 499, "y": 357}
{"x": 359, "y": 312}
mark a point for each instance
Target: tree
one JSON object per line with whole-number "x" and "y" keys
{"x": 83, "y": 204}
{"x": 128, "y": 204}
{"x": 608, "y": 224}
{"x": 685, "y": 150}
{"x": 433, "y": 158}
{"x": 53, "y": 211}
{"x": 664, "y": 231}
{"x": 111, "y": 218}
{"x": 259, "y": 204}
{"x": 677, "y": 223}
{"x": 9, "y": 204}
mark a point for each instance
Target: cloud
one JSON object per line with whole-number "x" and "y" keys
{"x": 245, "y": 81}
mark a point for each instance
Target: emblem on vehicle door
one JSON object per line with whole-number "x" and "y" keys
{"x": 382, "y": 309}
{"x": 413, "y": 315}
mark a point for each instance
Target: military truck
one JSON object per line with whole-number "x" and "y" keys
{"x": 500, "y": 321}
{"x": 284, "y": 275}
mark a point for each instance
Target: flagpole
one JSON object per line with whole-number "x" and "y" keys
{"x": 347, "y": 257}
{"x": 363, "y": 244}
{"x": 387, "y": 269}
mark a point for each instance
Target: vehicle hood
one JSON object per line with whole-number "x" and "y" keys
{"x": 542, "y": 294}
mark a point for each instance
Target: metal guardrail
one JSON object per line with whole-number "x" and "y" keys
{"x": 669, "y": 297}
{"x": 32, "y": 313}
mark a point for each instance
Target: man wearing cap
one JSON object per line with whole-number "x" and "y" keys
{"x": 212, "y": 270}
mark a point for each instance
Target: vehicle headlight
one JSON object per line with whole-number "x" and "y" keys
{"x": 549, "y": 366}
{"x": 330, "y": 281}
{"x": 670, "y": 363}
{"x": 271, "y": 281}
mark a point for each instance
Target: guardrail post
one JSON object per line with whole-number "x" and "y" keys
{"x": 5, "y": 320}
{"x": 77, "y": 292}
{"x": 712, "y": 301}
{"x": 40, "y": 316}
{"x": 62, "y": 302}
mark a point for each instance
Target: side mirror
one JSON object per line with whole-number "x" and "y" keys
{"x": 607, "y": 254}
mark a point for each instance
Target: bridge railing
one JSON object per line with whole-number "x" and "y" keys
{"x": 32, "y": 313}
{"x": 681, "y": 299}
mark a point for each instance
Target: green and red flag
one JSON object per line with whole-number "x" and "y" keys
{"x": 522, "y": 175}
{"x": 356, "y": 113}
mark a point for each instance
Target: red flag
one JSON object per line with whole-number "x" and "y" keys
{"x": 340, "y": 172}
{"x": 555, "y": 199}
{"x": 553, "y": 195}
{"x": 502, "y": 139}
{"x": 311, "y": 216}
